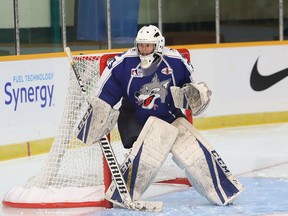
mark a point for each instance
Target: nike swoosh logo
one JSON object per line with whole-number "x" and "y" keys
{"x": 260, "y": 82}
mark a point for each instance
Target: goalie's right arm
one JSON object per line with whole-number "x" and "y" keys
{"x": 99, "y": 119}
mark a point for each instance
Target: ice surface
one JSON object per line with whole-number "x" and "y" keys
{"x": 258, "y": 155}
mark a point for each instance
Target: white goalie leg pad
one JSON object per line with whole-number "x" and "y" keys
{"x": 98, "y": 119}
{"x": 204, "y": 168}
{"x": 146, "y": 158}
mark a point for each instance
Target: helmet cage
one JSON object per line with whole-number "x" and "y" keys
{"x": 150, "y": 35}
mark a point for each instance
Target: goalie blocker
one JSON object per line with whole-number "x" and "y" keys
{"x": 98, "y": 120}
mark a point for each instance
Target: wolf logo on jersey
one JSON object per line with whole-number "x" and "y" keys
{"x": 149, "y": 92}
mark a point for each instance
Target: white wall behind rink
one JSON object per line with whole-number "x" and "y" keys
{"x": 226, "y": 70}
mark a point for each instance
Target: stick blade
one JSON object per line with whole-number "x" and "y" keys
{"x": 149, "y": 206}
{"x": 154, "y": 206}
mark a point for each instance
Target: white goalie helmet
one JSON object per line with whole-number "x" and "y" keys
{"x": 150, "y": 35}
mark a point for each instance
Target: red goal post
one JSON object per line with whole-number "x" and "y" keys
{"x": 76, "y": 174}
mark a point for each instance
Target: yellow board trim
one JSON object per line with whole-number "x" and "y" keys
{"x": 13, "y": 151}
{"x": 240, "y": 120}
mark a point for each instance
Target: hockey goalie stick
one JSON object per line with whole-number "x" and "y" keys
{"x": 112, "y": 161}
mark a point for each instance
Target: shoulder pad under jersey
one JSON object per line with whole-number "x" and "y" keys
{"x": 173, "y": 53}
{"x": 119, "y": 58}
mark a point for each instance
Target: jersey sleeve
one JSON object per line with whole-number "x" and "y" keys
{"x": 188, "y": 71}
{"x": 180, "y": 63}
{"x": 108, "y": 87}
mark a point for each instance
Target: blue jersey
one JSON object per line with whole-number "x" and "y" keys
{"x": 149, "y": 94}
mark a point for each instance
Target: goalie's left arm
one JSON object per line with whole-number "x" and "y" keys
{"x": 194, "y": 96}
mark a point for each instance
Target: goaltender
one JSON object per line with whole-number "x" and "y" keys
{"x": 153, "y": 83}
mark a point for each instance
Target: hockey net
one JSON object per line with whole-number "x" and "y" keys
{"x": 75, "y": 174}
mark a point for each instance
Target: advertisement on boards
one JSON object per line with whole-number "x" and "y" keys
{"x": 31, "y": 98}
{"x": 243, "y": 79}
